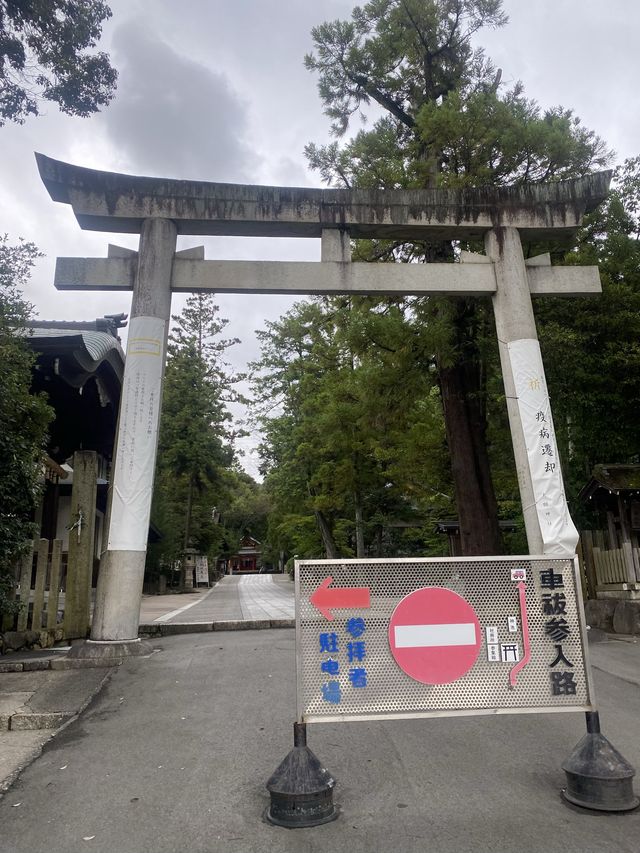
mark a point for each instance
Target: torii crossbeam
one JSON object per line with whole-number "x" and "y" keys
{"x": 160, "y": 209}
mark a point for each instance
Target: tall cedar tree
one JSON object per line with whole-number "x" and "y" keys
{"x": 195, "y": 444}
{"x": 445, "y": 122}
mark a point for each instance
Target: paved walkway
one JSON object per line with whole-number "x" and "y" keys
{"x": 234, "y": 598}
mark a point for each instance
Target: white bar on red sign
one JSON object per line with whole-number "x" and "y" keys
{"x": 414, "y": 636}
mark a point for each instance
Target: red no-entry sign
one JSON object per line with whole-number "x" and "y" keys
{"x": 434, "y": 635}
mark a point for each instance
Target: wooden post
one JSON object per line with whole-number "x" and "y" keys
{"x": 54, "y": 584}
{"x": 81, "y": 544}
{"x": 26, "y": 568}
{"x": 41, "y": 579}
{"x": 627, "y": 548}
{"x": 613, "y": 535}
{"x": 586, "y": 539}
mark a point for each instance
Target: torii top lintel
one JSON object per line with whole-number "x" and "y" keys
{"x": 112, "y": 202}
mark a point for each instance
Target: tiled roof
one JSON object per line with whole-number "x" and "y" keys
{"x": 97, "y": 344}
{"x": 614, "y": 478}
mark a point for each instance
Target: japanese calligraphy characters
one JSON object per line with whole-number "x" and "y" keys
{"x": 347, "y": 648}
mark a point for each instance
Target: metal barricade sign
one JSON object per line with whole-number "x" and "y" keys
{"x": 387, "y": 639}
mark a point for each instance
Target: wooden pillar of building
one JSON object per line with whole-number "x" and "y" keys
{"x": 77, "y": 609}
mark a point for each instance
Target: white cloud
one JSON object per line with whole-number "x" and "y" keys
{"x": 174, "y": 117}
{"x": 580, "y": 54}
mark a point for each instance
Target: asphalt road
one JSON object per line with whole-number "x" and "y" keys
{"x": 174, "y": 754}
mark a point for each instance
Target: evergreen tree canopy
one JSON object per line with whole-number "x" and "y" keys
{"x": 591, "y": 347}
{"x": 47, "y": 53}
{"x": 353, "y": 432}
{"x": 195, "y": 451}
{"x": 446, "y": 121}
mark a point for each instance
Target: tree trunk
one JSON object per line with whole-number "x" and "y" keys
{"x": 187, "y": 521}
{"x": 465, "y": 429}
{"x": 360, "y": 550}
{"x": 187, "y": 584}
{"x": 461, "y": 388}
{"x": 465, "y": 426}
{"x": 331, "y": 551}
{"x": 379, "y": 533}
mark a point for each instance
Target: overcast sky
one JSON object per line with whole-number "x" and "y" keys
{"x": 216, "y": 90}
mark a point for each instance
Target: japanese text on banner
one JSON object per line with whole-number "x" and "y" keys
{"x": 137, "y": 435}
{"x": 559, "y": 535}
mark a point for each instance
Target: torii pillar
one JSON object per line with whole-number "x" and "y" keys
{"x": 159, "y": 209}
{"x": 515, "y": 321}
{"x": 119, "y": 590}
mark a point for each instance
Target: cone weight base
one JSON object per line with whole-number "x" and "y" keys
{"x": 301, "y": 788}
{"x": 598, "y": 777}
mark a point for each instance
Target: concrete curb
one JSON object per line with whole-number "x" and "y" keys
{"x": 167, "y": 629}
{"x": 148, "y": 629}
{"x": 80, "y": 663}
{"x": 38, "y": 720}
{"x": 34, "y": 752}
{"x": 26, "y": 665}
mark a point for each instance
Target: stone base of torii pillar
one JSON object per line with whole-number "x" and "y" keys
{"x": 104, "y": 652}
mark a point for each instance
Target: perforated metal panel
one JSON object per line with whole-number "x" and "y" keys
{"x": 380, "y": 689}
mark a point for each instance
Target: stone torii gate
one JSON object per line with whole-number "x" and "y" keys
{"x": 159, "y": 209}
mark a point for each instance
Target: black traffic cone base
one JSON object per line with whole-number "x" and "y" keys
{"x": 301, "y": 791}
{"x": 587, "y": 802}
{"x": 598, "y": 777}
{"x": 301, "y": 788}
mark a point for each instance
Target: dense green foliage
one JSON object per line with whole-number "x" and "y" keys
{"x": 47, "y": 53}
{"x": 446, "y": 122}
{"x": 197, "y": 481}
{"x": 354, "y": 451}
{"x": 359, "y": 383}
{"x": 194, "y": 448}
{"x": 591, "y": 347}
{"x": 24, "y": 417}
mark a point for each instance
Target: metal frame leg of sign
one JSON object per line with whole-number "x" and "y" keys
{"x": 432, "y": 637}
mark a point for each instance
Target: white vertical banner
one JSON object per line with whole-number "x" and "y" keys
{"x": 202, "y": 569}
{"x": 559, "y": 535}
{"x": 137, "y": 435}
